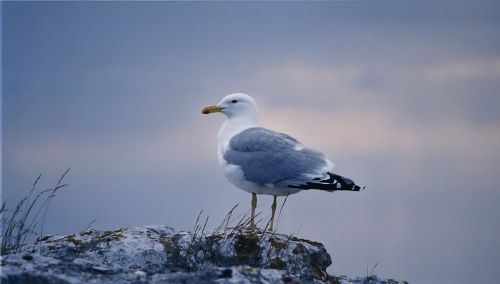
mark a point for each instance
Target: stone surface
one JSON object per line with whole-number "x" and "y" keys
{"x": 159, "y": 254}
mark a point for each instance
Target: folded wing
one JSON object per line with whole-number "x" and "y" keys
{"x": 269, "y": 158}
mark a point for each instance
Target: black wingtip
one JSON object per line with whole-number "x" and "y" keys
{"x": 332, "y": 183}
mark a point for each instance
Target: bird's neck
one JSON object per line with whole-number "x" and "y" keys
{"x": 234, "y": 125}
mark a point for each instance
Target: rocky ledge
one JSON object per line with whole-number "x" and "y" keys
{"x": 159, "y": 254}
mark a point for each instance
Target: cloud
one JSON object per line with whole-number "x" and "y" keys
{"x": 362, "y": 79}
{"x": 314, "y": 79}
{"x": 458, "y": 70}
{"x": 380, "y": 132}
{"x": 168, "y": 148}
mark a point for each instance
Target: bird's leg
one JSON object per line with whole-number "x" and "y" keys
{"x": 254, "y": 205}
{"x": 273, "y": 209}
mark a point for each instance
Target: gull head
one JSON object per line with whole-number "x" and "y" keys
{"x": 235, "y": 106}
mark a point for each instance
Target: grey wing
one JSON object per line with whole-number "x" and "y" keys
{"x": 272, "y": 158}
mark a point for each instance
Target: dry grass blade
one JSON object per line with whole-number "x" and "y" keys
{"x": 57, "y": 187}
{"x": 281, "y": 209}
{"x": 372, "y": 270}
{"x": 224, "y": 223}
{"x": 228, "y": 216}
{"x": 204, "y": 225}
{"x": 197, "y": 219}
{"x": 90, "y": 224}
{"x": 8, "y": 238}
{"x": 19, "y": 225}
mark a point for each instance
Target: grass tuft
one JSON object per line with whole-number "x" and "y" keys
{"x": 19, "y": 225}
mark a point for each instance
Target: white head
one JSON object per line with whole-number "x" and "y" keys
{"x": 235, "y": 106}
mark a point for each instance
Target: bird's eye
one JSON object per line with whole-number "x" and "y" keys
{"x": 234, "y": 101}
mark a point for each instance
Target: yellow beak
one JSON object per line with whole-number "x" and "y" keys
{"x": 211, "y": 109}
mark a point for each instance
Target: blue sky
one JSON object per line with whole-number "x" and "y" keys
{"x": 403, "y": 96}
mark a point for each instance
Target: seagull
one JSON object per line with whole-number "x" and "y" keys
{"x": 262, "y": 161}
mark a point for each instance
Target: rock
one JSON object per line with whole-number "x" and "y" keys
{"x": 159, "y": 254}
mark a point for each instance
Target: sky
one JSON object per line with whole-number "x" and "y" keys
{"x": 404, "y": 97}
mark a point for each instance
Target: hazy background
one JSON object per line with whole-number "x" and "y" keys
{"x": 403, "y": 96}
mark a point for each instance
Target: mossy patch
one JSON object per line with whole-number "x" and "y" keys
{"x": 172, "y": 247}
{"x": 88, "y": 232}
{"x": 110, "y": 235}
{"x": 168, "y": 245}
{"x": 299, "y": 249}
{"x": 318, "y": 264}
{"x": 72, "y": 239}
{"x": 318, "y": 273}
{"x": 176, "y": 238}
{"x": 247, "y": 249}
{"x": 44, "y": 238}
{"x": 277, "y": 263}
{"x": 214, "y": 238}
{"x": 277, "y": 244}
{"x": 247, "y": 269}
{"x": 316, "y": 244}
{"x": 333, "y": 279}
